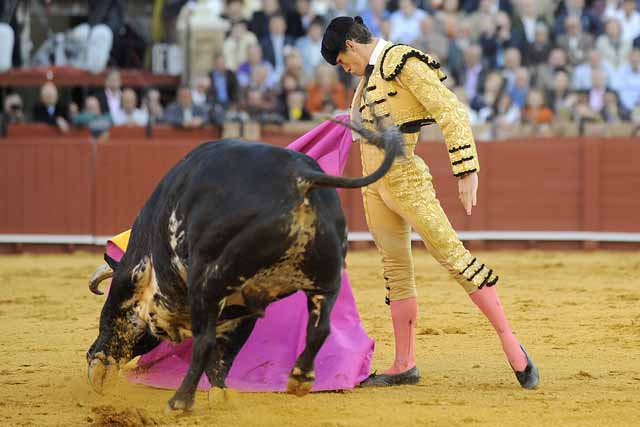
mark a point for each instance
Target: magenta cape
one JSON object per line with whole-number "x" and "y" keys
{"x": 266, "y": 359}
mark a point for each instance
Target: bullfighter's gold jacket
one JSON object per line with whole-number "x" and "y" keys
{"x": 406, "y": 87}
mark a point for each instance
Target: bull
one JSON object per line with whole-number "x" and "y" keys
{"x": 233, "y": 227}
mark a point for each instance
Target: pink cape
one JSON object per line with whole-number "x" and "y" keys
{"x": 268, "y": 356}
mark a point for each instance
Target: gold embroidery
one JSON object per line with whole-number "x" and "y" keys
{"x": 407, "y": 189}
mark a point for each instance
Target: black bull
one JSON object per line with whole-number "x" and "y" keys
{"x": 231, "y": 228}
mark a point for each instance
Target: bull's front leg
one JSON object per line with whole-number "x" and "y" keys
{"x": 205, "y": 295}
{"x": 318, "y": 328}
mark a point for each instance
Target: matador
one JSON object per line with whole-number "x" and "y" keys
{"x": 402, "y": 86}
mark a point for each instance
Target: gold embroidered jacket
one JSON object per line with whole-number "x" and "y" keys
{"x": 406, "y": 86}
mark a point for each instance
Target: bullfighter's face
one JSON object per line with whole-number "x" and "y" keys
{"x": 123, "y": 333}
{"x": 352, "y": 60}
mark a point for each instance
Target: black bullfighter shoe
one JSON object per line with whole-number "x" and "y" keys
{"x": 412, "y": 376}
{"x": 529, "y": 378}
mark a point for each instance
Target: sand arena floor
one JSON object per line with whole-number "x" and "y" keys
{"x": 578, "y": 313}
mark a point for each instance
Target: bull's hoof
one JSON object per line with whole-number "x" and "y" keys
{"x": 179, "y": 404}
{"x": 299, "y": 383}
{"x": 221, "y": 396}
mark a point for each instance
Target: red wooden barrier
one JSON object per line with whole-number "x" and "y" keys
{"x": 47, "y": 188}
{"x": 98, "y": 188}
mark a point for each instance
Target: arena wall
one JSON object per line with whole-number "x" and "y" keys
{"x": 69, "y": 186}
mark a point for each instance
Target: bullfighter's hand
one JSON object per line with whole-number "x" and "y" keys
{"x": 467, "y": 190}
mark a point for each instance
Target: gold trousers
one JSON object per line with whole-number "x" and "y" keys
{"x": 406, "y": 198}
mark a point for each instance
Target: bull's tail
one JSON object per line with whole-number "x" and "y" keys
{"x": 390, "y": 140}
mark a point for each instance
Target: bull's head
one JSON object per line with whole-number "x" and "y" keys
{"x": 124, "y": 332}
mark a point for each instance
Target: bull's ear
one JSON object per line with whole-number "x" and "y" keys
{"x": 142, "y": 272}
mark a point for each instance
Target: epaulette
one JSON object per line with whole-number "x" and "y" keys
{"x": 394, "y": 58}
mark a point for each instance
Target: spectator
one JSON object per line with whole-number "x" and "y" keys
{"x": 259, "y": 24}
{"x": 635, "y": 116}
{"x": 543, "y": 74}
{"x": 582, "y": 73}
{"x": 448, "y": 19}
{"x": 474, "y": 117}
{"x": 288, "y": 84}
{"x": 457, "y": 46}
{"x": 474, "y": 73}
{"x": 385, "y": 29}
{"x": 111, "y": 97}
{"x": 629, "y": 19}
{"x": 574, "y": 41}
{"x": 236, "y": 46}
{"x": 13, "y": 109}
{"x": 106, "y": 18}
{"x": 495, "y": 39}
{"x": 310, "y": 46}
{"x": 373, "y": 16}
{"x": 200, "y": 91}
{"x": 584, "y": 113}
{"x": 613, "y": 111}
{"x": 339, "y": 8}
{"x": 405, "y": 22}
{"x": 482, "y": 17}
{"x": 610, "y": 8}
{"x": 559, "y": 96}
{"x": 299, "y": 20}
{"x": 507, "y": 113}
{"x": 295, "y": 107}
{"x": 628, "y": 81}
{"x": 131, "y": 115}
{"x": 326, "y": 94}
{"x": 153, "y": 106}
{"x": 224, "y": 85}
{"x": 91, "y": 117}
{"x": 259, "y": 99}
{"x": 485, "y": 103}
{"x": 512, "y": 62}
{"x": 48, "y": 110}
{"x": 254, "y": 58}
{"x": 431, "y": 41}
{"x": 597, "y": 91}
{"x": 234, "y": 11}
{"x": 494, "y": 6}
{"x": 170, "y": 12}
{"x": 520, "y": 88}
{"x": 524, "y": 24}
{"x": 538, "y": 51}
{"x": 613, "y": 47}
{"x": 589, "y": 20}
{"x": 535, "y": 111}
{"x": 182, "y": 113}
{"x": 273, "y": 46}
{"x": 7, "y": 35}
{"x": 293, "y": 65}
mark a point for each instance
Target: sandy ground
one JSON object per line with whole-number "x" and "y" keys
{"x": 578, "y": 313}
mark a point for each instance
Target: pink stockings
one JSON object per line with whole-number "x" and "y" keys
{"x": 404, "y": 313}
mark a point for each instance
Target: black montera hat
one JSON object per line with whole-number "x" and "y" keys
{"x": 335, "y": 36}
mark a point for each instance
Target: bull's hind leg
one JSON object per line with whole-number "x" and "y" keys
{"x": 319, "y": 305}
{"x": 232, "y": 334}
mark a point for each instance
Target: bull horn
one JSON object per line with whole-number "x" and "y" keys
{"x": 103, "y": 272}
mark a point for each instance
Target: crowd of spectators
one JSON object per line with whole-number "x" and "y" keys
{"x": 513, "y": 62}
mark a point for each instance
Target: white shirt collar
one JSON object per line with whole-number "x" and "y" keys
{"x": 377, "y": 51}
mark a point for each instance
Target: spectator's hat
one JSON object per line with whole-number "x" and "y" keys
{"x": 335, "y": 37}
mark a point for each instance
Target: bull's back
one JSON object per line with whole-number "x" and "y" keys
{"x": 233, "y": 175}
